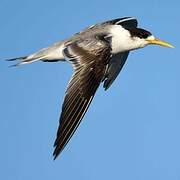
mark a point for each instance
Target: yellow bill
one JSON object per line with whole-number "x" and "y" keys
{"x": 160, "y": 42}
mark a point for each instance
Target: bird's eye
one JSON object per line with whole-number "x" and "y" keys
{"x": 145, "y": 35}
{"x": 142, "y": 34}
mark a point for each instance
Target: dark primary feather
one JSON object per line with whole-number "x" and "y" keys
{"x": 114, "y": 67}
{"x": 89, "y": 59}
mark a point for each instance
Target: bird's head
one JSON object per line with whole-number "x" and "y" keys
{"x": 142, "y": 38}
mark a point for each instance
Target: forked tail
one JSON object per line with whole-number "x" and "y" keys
{"x": 24, "y": 60}
{"x": 52, "y": 53}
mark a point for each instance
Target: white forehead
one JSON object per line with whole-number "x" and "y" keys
{"x": 151, "y": 37}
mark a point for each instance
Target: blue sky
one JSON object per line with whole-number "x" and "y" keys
{"x": 130, "y": 131}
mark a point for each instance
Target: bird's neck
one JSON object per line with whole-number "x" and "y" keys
{"x": 121, "y": 40}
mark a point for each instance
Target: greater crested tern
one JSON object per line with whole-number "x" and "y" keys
{"x": 97, "y": 54}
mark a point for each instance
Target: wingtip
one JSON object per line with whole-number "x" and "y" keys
{"x": 54, "y": 157}
{"x": 55, "y": 154}
{"x": 106, "y": 85}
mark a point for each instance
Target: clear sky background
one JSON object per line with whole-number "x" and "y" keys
{"x": 131, "y": 132}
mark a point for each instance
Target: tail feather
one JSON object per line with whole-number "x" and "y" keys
{"x": 24, "y": 60}
{"x": 17, "y": 58}
{"x": 52, "y": 53}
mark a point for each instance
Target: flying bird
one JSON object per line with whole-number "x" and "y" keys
{"x": 97, "y": 55}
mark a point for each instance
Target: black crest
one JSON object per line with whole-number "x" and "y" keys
{"x": 141, "y": 33}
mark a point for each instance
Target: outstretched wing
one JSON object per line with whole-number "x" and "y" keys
{"x": 89, "y": 59}
{"x": 114, "y": 67}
